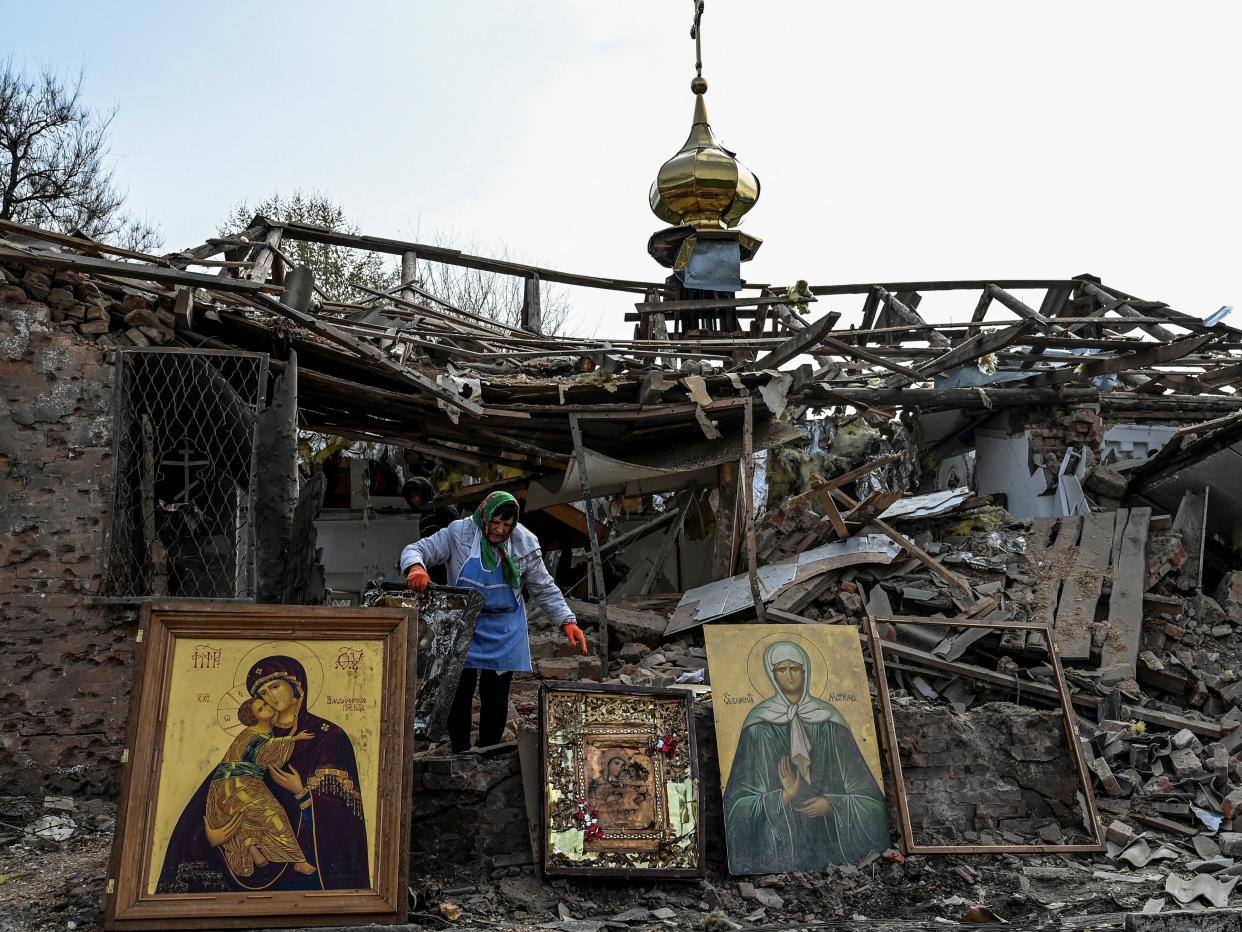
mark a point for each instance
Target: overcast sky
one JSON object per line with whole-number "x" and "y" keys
{"x": 894, "y": 141}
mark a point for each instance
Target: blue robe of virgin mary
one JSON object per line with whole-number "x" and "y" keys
{"x": 765, "y": 834}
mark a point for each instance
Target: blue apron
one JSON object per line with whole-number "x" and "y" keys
{"x": 500, "y": 638}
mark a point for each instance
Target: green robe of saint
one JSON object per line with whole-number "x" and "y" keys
{"x": 765, "y": 834}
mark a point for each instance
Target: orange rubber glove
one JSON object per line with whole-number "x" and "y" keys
{"x": 576, "y": 636}
{"x": 417, "y": 578}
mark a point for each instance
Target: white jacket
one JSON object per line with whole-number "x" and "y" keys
{"x": 455, "y": 543}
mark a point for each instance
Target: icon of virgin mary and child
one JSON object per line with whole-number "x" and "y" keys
{"x": 800, "y": 795}
{"x": 282, "y": 810}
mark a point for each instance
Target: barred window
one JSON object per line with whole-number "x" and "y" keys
{"x": 182, "y": 511}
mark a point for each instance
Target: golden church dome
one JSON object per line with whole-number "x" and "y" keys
{"x": 704, "y": 185}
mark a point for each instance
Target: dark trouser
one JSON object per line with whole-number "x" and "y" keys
{"x": 493, "y": 708}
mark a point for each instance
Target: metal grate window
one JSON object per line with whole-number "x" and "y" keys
{"x": 182, "y": 518}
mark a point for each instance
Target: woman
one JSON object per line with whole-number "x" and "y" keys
{"x": 493, "y": 554}
{"x": 317, "y": 788}
{"x": 800, "y": 795}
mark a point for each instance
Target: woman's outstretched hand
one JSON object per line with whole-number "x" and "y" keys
{"x": 417, "y": 578}
{"x": 576, "y": 636}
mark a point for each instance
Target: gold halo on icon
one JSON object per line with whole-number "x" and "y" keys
{"x": 759, "y": 676}
{"x": 295, "y": 649}
{"x": 226, "y": 710}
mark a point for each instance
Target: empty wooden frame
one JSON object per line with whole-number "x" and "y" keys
{"x": 888, "y": 732}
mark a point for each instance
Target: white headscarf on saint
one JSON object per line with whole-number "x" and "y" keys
{"x": 807, "y": 710}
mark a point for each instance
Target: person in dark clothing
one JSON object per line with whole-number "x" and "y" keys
{"x": 419, "y": 494}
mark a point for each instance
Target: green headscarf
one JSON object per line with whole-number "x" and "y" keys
{"x": 493, "y": 555}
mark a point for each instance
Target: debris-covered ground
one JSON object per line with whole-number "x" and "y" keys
{"x": 47, "y": 884}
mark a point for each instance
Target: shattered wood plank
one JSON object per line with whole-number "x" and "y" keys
{"x": 84, "y": 245}
{"x": 131, "y": 272}
{"x": 799, "y": 343}
{"x": 978, "y": 610}
{"x": 1092, "y": 367}
{"x": 981, "y": 310}
{"x": 1178, "y": 381}
{"x": 787, "y": 617}
{"x": 597, "y": 563}
{"x": 1222, "y": 377}
{"x": 1053, "y": 563}
{"x": 710, "y": 304}
{"x": 953, "y": 579}
{"x": 366, "y": 350}
{"x": 1168, "y": 720}
{"x": 876, "y": 503}
{"x": 857, "y": 352}
{"x": 798, "y": 596}
{"x": 1192, "y": 522}
{"x": 266, "y": 256}
{"x": 1123, "y": 309}
{"x": 976, "y": 347}
{"x": 832, "y": 513}
{"x": 1125, "y": 606}
{"x": 1019, "y": 307}
{"x": 624, "y": 540}
{"x": 870, "y": 305}
{"x": 1055, "y": 301}
{"x": 666, "y": 545}
{"x": 900, "y": 312}
{"x": 748, "y": 458}
{"x": 1123, "y": 516}
{"x": 483, "y": 326}
{"x": 316, "y": 234}
{"x": 819, "y": 483}
{"x": 1081, "y": 589}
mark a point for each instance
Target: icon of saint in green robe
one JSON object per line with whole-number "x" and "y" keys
{"x": 800, "y": 795}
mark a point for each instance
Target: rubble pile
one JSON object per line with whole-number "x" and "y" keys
{"x": 999, "y": 774}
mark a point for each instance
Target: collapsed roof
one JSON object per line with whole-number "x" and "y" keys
{"x": 406, "y": 367}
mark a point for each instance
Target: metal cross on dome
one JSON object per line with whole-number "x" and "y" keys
{"x": 696, "y": 35}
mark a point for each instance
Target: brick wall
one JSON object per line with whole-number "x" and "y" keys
{"x": 64, "y": 661}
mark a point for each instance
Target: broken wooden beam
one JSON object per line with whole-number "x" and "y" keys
{"x": 597, "y": 563}
{"x": 1210, "y": 730}
{"x": 955, "y": 581}
{"x": 799, "y": 343}
{"x": 974, "y": 348}
{"x": 624, "y": 540}
{"x": 666, "y": 545}
{"x": 748, "y": 480}
{"x": 1018, "y": 306}
{"x": 1084, "y": 579}
{"x": 902, "y": 313}
{"x": 1125, "y": 606}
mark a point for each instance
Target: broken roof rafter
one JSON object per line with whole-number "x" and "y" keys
{"x": 884, "y": 367}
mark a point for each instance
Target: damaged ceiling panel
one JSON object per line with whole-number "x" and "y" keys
{"x": 728, "y": 596}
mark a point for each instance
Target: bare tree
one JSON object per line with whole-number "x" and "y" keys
{"x": 55, "y": 170}
{"x": 490, "y": 294}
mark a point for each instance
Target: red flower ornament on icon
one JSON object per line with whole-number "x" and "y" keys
{"x": 588, "y": 819}
{"x": 666, "y": 745}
